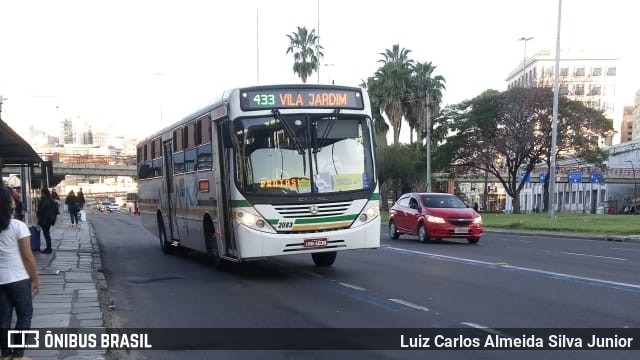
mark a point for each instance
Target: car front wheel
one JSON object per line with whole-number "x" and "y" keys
{"x": 393, "y": 232}
{"x": 422, "y": 233}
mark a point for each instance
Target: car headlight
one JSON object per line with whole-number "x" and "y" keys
{"x": 251, "y": 219}
{"x": 370, "y": 212}
{"x": 435, "y": 219}
{"x": 478, "y": 220}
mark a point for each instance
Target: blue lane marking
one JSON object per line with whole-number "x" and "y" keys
{"x": 549, "y": 274}
{"x": 357, "y": 294}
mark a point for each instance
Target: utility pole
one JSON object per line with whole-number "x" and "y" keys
{"x": 428, "y": 142}
{"x": 554, "y": 122}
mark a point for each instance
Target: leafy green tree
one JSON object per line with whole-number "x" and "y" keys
{"x": 306, "y": 50}
{"x": 506, "y": 133}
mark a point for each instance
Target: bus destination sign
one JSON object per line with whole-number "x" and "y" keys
{"x": 287, "y": 98}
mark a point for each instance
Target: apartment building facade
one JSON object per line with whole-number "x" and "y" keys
{"x": 584, "y": 76}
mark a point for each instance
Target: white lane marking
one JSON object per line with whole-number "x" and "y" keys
{"x": 595, "y": 256}
{"x": 624, "y": 249}
{"x": 484, "y": 328}
{"x": 314, "y": 274}
{"x": 355, "y": 287}
{"x": 409, "y": 304}
{"x": 511, "y": 267}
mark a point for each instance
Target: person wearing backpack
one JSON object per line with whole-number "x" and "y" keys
{"x": 47, "y": 216}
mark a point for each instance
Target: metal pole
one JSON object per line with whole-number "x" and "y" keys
{"x": 318, "y": 42}
{"x": 524, "y": 61}
{"x": 554, "y": 122}
{"x": 257, "y": 45}
{"x": 428, "y": 141}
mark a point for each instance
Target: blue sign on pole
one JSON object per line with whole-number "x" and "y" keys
{"x": 596, "y": 177}
{"x": 524, "y": 179}
{"x": 575, "y": 177}
{"x": 543, "y": 178}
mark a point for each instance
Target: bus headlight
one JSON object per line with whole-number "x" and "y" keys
{"x": 251, "y": 219}
{"x": 370, "y": 212}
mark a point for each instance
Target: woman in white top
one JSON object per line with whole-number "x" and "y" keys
{"x": 18, "y": 275}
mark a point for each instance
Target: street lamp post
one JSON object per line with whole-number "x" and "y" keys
{"x": 524, "y": 61}
{"x": 554, "y": 121}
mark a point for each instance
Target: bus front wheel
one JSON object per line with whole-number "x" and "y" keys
{"x": 324, "y": 259}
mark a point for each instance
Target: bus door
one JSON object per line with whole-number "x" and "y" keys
{"x": 224, "y": 180}
{"x": 169, "y": 198}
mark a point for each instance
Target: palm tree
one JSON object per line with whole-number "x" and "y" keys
{"x": 423, "y": 84}
{"x": 373, "y": 87}
{"x": 394, "y": 77}
{"x": 305, "y": 47}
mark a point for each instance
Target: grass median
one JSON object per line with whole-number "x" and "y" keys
{"x": 565, "y": 222}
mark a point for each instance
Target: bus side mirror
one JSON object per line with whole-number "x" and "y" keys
{"x": 225, "y": 130}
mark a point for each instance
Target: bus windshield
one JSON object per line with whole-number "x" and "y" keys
{"x": 296, "y": 154}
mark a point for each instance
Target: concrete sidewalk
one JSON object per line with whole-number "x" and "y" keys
{"x": 70, "y": 279}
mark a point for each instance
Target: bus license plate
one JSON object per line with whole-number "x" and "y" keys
{"x": 312, "y": 243}
{"x": 461, "y": 230}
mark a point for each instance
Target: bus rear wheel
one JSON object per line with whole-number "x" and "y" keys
{"x": 164, "y": 244}
{"x": 324, "y": 259}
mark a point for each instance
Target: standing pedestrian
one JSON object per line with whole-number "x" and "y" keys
{"x": 56, "y": 198}
{"x": 73, "y": 207}
{"x": 18, "y": 211}
{"x": 18, "y": 275}
{"x": 81, "y": 201}
{"x": 47, "y": 215}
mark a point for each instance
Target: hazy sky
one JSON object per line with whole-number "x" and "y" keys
{"x": 135, "y": 64}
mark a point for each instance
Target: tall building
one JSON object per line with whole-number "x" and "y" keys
{"x": 626, "y": 131}
{"x": 66, "y": 132}
{"x": 636, "y": 116}
{"x": 587, "y": 77}
{"x": 86, "y": 135}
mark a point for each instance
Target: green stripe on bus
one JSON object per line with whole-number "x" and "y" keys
{"x": 273, "y": 221}
{"x": 325, "y": 219}
{"x": 240, "y": 203}
{"x": 375, "y": 196}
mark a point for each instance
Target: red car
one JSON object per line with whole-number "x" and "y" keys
{"x": 434, "y": 215}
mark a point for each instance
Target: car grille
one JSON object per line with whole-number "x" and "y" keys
{"x": 460, "y": 222}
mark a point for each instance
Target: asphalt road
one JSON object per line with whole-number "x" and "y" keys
{"x": 505, "y": 281}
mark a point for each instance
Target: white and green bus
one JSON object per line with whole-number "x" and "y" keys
{"x": 265, "y": 171}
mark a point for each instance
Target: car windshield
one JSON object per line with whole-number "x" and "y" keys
{"x": 442, "y": 201}
{"x": 295, "y": 154}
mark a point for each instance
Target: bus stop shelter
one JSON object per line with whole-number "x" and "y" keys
{"x": 16, "y": 153}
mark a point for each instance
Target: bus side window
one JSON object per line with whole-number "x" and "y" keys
{"x": 178, "y": 163}
{"x": 205, "y": 157}
{"x": 190, "y": 160}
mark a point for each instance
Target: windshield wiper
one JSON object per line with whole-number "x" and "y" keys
{"x": 289, "y": 130}
{"x": 323, "y": 138}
